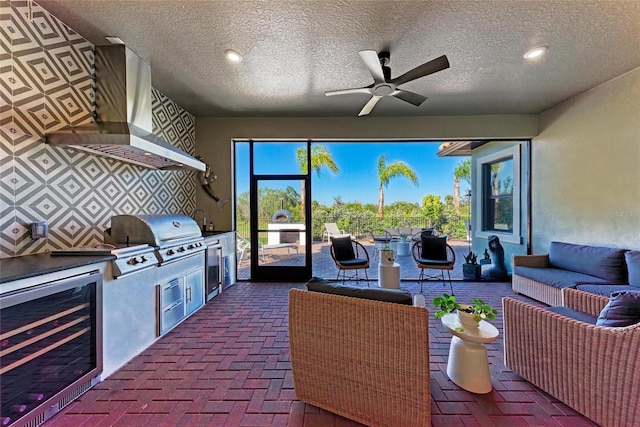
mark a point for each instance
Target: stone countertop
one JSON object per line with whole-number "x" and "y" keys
{"x": 215, "y": 233}
{"x": 26, "y": 266}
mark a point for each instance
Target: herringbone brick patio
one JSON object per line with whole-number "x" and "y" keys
{"x": 228, "y": 365}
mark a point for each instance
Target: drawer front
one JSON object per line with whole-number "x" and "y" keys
{"x": 171, "y": 315}
{"x": 170, "y": 292}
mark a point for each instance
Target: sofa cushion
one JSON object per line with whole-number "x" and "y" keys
{"x": 434, "y": 248}
{"x": 605, "y": 263}
{"x": 633, "y": 267}
{"x": 342, "y": 248}
{"x": 556, "y": 277}
{"x": 387, "y": 295}
{"x": 604, "y": 290}
{"x": 574, "y": 314}
{"x": 623, "y": 309}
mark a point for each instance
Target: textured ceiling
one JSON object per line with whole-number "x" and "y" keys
{"x": 295, "y": 50}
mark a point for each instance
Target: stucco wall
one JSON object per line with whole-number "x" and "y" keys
{"x": 214, "y": 139}
{"x": 586, "y": 168}
{"x": 480, "y": 243}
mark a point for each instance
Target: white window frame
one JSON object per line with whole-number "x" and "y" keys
{"x": 506, "y": 154}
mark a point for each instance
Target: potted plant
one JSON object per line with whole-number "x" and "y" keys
{"x": 469, "y": 315}
{"x": 471, "y": 270}
{"x": 387, "y": 255}
{"x": 486, "y": 259}
{"x": 403, "y": 237}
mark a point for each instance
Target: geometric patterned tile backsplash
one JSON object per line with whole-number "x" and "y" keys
{"x": 47, "y": 81}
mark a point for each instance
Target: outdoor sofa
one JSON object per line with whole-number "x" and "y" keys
{"x": 361, "y": 356}
{"x": 595, "y": 269}
{"x": 592, "y": 369}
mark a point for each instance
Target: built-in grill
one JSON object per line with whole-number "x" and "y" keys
{"x": 174, "y": 237}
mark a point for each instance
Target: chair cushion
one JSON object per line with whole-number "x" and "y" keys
{"x": 387, "y": 295}
{"x": 353, "y": 262}
{"x": 633, "y": 267}
{"x": 342, "y": 248}
{"x": 605, "y": 263}
{"x": 574, "y": 314}
{"x": 623, "y": 309}
{"x": 433, "y": 248}
{"x": 434, "y": 262}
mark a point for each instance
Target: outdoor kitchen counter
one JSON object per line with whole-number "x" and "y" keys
{"x": 27, "y": 266}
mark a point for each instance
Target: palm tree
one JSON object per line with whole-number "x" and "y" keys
{"x": 388, "y": 171}
{"x": 462, "y": 171}
{"x": 320, "y": 157}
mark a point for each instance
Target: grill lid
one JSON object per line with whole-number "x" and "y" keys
{"x": 155, "y": 230}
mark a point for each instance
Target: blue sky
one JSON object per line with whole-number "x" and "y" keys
{"x": 358, "y": 177}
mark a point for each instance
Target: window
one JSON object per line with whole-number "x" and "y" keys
{"x": 497, "y": 194}
{"x": 498, "y": 185}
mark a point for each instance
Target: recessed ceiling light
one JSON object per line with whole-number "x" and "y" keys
{"x": 232, "y": 55}
{"x": 536, "y": 52}
{"x": 114, "y": 40}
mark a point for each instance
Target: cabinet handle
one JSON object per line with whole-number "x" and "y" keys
{"x": 171, "y": 287}
{"x": 189, "y": 294}
{"x": 174, "y": 305}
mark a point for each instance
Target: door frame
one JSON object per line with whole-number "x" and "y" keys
{"x": 263, "y": 273}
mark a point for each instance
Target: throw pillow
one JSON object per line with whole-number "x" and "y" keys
{"x": 434, "y": 248}
{"x": 633, "y": 267}
{"x": 342, "y": 248}
{"x": 386, "y": 295}
{"x": 623, "y": 309}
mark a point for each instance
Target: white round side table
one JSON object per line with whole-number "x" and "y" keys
{"x": 404, "y": 248}
{"x": 389, "y": 276}
{"x": 468, "y": 364}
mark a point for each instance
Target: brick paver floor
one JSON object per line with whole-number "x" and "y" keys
{"x": 323, "y": 265}
{"x": 228, "y": 365}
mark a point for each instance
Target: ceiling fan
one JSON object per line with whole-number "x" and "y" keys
{"x": 383, "y": 85}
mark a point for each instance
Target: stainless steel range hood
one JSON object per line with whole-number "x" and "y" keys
{"x": 123, "y": 126}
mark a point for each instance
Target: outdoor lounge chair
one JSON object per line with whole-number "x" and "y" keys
{"x": 242, "y": 246}
{"x": 592, "y": 369}
{"x": 348, "y": 255}
{"x": 362, "y": 359}
{"x": 331, "y": 229}
{"x": 434, "y": 253}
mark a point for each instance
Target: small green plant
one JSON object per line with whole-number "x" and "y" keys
{"x": 403, "y": 237}
{"x": 482, "y": 310}
{"x": 447, "y": 304}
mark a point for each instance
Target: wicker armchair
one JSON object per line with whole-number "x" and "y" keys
{"x": 592, "y": 369}
{"x": 364, "y": 360}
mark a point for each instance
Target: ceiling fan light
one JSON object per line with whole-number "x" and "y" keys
{"x": 232, "y": 55}
{"x": 536, "y": 52}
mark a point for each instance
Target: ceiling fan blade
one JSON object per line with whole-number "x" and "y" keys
{"x": 347, "y": 91}
{"x": 369, "y": 105}
{"x": 425, "y": 69}
{"x": 371, "y": 60}
{"x": 410, "y": 97}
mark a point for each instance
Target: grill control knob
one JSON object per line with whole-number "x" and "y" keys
{"x": 190, "y": 247}
{"x": 170, "y": 252}
{"x": 133, "y": 261}
{"x": 181, "y": 249}
{"x": 143, "y": 258}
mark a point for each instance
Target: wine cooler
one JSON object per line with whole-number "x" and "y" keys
{"x": 50, "y": 347}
